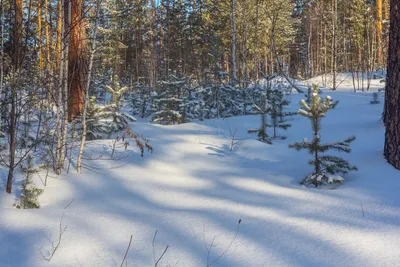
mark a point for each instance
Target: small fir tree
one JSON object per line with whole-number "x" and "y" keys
{"x": 29, "y": 193}
{"x": 105, "y": 120}
{"x": 169, "y": 101}
{"x": 143, "y": 108}
{"x": 116, "y": 91}
{"x": 326, "y": 168}
{"x": 262, "y": 109}
{"x": 277, "y": 113}
{"x": 135, "y": 103}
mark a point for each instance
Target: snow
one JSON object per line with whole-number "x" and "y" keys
{"x": 193, "y": 190}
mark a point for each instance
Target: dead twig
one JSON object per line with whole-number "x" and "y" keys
{"x": 154, "y": 251}
{"x": 233, "y": 141}
{"x": 55, "y": 245}
{"x": 69, "y": 204}
{"x": 126, "y": 252}
{"x": 209, "y": 248}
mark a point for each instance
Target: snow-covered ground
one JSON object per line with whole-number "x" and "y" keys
{"x": 193, "y": 190}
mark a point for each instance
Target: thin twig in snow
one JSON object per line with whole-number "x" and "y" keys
{"x": 126, "y": 252}
{"x": 154, "y": 252}
{"x": 55, "y": 246}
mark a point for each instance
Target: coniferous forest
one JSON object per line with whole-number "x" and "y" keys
{"x": 210, "y": 132}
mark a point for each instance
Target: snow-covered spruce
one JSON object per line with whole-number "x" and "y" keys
{"x": 326, "y": 168}
{"x": 278, "y": 116}
{"x": 169, "y": 101}
{"x": 102, "y": 121}
{"x": 29, "y": 192}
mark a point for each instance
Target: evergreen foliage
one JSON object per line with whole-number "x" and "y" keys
{"x": 102, "y": 121}
{"x": 277, "y": 104}
{"x": 29, "y": 192}
{"x": 326, "y": 168}
{"x": 169, "y": 102}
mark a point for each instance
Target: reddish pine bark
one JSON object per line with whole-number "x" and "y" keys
{"x": 392, "y": 95}
{"x": 77, "y": 60}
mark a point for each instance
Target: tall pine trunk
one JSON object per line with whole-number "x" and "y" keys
{"x": 392, "y": 94}
{"x": 77, "y": 60}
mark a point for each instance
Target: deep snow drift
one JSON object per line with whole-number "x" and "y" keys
{"x": 193, "y": 190}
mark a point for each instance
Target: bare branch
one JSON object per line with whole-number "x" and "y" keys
{"x": 126, "y": 252}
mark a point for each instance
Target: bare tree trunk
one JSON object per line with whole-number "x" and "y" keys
{"x": 153, "y": 60}
{"x": 244, "y": 67}
{"x": 378, "y": 28}
{"x": 40, "y": 39}
{"x": 392, "y": 93}
{"x": 309, "y": 52}
{"x": 334, "y": 43}
{"x": 17, "y": 62}
{"x": 92, "y": 52}
{"x": 1, "y": 52}
{"x": 233, "y": 52}
{"x": 60, "y": 35}
{"x": 77, "y": 61}
{"x": 60, "y": 55}
{"x": 12, "y": 133}
{"x": 255, "y": 43}
{"x": 67, "y": 27}
{"x": 47, "y": 49}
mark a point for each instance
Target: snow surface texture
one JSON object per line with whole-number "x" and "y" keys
{"x": 193, "y": 190}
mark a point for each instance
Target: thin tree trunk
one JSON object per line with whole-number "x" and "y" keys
{"x": 47, "y": 49}
{"x": 67, "y": 31}
{"x": 334, "y": 43}
{"x": 92, "y": 52}
{"x": 1, "y": 52}
{"x": 378, "y": 23}
{"x": 39, "y": 25}
{"x": 233, "y": 52}
{"x": 60, "y": 37}
{"x": 12, "y": 133}
{"x": 153, "y": 61}
{"x": 62, "y": 58}
{"x": 17, "y": 62}
{"x": 255, "y": 43}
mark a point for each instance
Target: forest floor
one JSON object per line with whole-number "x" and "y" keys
{"x": 193, "y": 190}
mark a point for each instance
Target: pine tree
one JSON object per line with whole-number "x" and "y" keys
{"x": 277, "y": 104}
{"x": 326, "y": 167}
{"x": 392, "y": 91}
{"x": 262, "y": 108}
{"x": 170, "y": 102}
{"x": 116, "y": 91}
{"x": 29, "y": 193}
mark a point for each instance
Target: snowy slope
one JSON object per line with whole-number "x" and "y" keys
{"x": 193, "y": 190}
